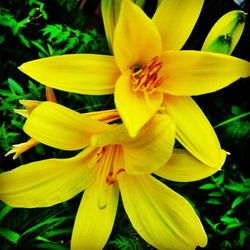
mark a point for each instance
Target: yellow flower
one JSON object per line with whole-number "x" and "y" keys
{"x": 113, "y": 162}
{"x": 148, "y": 71}
{"x": 17, "y": 149}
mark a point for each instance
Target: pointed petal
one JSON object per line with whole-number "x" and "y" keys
{"x": 131, "y": 46}
{"x": 175, "y": 20}
{"x": 135, "y": 108}
{"x": 183, "y": 167}
{"x": 18, "y": 149}
{"x": 198, "y": 72}
{"x": 225, "y": 34}
{"x": 146, "y": 152}
{"x": 60, "y": 127}
{"x": 194, "y": 131}
{"x": 50, "y": 95}
{"x": 110, "y": 13}
{"x": 152, "y": 147}
{"x": 93, "y": 224}
{"x": 78, "y": 73}
{"x": 161, "y": 216}
{"x": 104, "y": 115}
{"x": 47, "y": 182}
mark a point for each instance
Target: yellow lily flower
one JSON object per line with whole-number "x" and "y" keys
{"x": 113, "y": 162}
{"x": 106, "y": 116}
{"x": 148, "y": 71}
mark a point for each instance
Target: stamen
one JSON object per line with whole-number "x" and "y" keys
{"x": 146, "y": 78}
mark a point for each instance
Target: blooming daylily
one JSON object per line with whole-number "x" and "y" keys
{"x": 148, "y": 71}
{"x": 106, "y": 116}
{"x": 114, "y": 161}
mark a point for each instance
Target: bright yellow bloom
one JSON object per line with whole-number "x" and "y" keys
{"x": 17, "y": 149}
{"x": 148, "y": 71}
{"x": 113, "y": 162}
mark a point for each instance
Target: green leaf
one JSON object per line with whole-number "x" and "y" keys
{"x": 237, "y": 201}
{"x": 9, "y": 235}
{"x": 214, "y": 201}
{"x": 38, "y": 44}
{"x": 215, "y": 194}
{"x": 208, "y": 186}
{"x": 5, "y": 210}
{"x": 228, "y": 220}
{"x": 15, "y": 87}
{"x": 233, "y": 119}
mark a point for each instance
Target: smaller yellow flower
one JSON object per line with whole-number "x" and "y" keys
{"x": 111, "y": 162}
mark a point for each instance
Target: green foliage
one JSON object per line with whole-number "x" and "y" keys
{"x": 232, "y": 196}
{"x": 17, "y": 27}
{"x": 47, "y": 228}
{"x": 63, "y": 39}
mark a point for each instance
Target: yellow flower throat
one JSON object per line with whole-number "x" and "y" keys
{"x": 107, "y": 159}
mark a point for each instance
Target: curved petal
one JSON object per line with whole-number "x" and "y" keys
{"x": 93, "y": 224}
{"x": 183, "y": 167}
{"x": 47, "y": 182}
{"x": 110, "y": 13}
{"x": 175, "y": 20}
{"x": 57, "y": 126}
{"x": 78, "y": 73}
{"x": 225, "y": 34}
{"x": 146, "y": 152}
{"x": 136, "y": 40}
{"x": 161, "y": 216}
{"x": 198, "y": 72}
{"x": 194, "y": 131}
{"x": 135, "y": 108}
{"x": 104, "y": 115}
{"x": 151, "y": 148}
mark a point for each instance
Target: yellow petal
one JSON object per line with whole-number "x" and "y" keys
{"x": 93, "y": 224}
{"x": 198, "y": 72}
{"x": 78, "y": 73}
{"x": 135, "y": 108}
{"x": 136, "y": 39}
{"x": 110, "y": 13}
{"x": 175, "y": 20}
{"x": 57, "y": 126}
{"x": 161, "y": 216}
{"x": 194, "y": 131}
{"x": 50, "y": 95}
{"x": 48, "y": 182}
{"x": 184, "y": 167}
{"x": 146, "y": 152}
{"x": 20, "y": 148}
{"x": 104, "y": 115}
{"x": 225, "y": 34}
{"x": 151, "y": 148}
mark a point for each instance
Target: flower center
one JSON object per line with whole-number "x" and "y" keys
{"x": 109, "y": 166}
{"x": 146, "y": 78}
{"x": 108, "y": 160}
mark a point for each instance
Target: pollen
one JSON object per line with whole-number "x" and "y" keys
{"x": 146, "y": 78}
